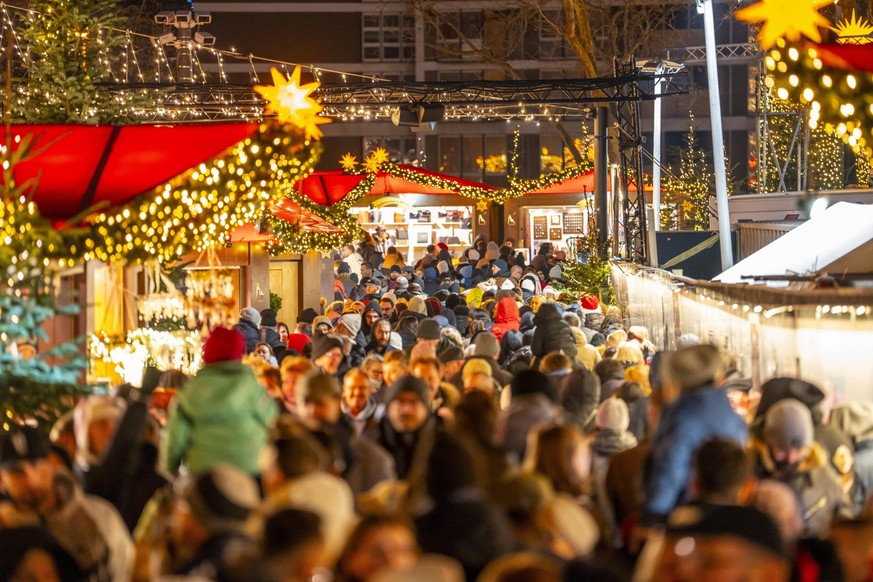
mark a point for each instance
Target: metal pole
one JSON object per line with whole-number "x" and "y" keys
{"x": 724, "y": 219}
{"x": 600, "y": 176}
{"x": 656, "y": 170}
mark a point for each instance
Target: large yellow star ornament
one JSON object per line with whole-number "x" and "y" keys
{"x": 291, "y": 102}
{"x": 374, "y": 161}
{"x": 854, "y": 30}
{"x": 786, "y": 18}
{"x": 349, "y": 162}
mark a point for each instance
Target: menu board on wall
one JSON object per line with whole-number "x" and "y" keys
{"x": 540, "y": 227}
{"x": 574, "y": 223}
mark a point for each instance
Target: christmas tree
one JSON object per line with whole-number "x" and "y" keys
{"x": 33, "y": 385}
{"x": 689, "y": 186}
{"x": 69, "y": 46}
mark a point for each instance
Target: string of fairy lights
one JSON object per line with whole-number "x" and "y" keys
{"x": 839, "y": 98}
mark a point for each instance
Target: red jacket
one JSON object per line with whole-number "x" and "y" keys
{"x": 506, "y": 317}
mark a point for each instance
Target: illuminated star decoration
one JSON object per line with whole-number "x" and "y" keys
{"x": 785, "y": 18}
{"x": 374, "y": 161}
{"x": 854, "y": 30}
{"x": 291, "y": 102}
{"x": 349, "y": 162}
{"x": 482, "y": 205}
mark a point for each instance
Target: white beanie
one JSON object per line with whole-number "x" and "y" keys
{"x": 395, "y": 341}
{"x": 613, "y": 415}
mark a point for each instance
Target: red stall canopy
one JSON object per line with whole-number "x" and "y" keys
{"x": 79, "y": 166}
{"x": 327, "y": 187}
{"x": 581, "y": 183}
{"x": 330, "y": 186}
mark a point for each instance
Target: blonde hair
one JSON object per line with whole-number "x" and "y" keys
{"x": 297, "y": 364}
{"x": 555, "y": 362}
{"x": 629, "y": 353}
{"x": 616, "y": 338}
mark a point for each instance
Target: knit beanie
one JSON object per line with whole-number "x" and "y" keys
{"x": 322, "y": 345}
{"x": 268, "y": 318}
{"x": 428, "y": 329}
{"x": 223, "y": 498}
{"x": 788, "y": 425}
{"x": 308, "y": 315}
{"x": 410, "y": 383}
{"x": 251, "y": 314}
{"x": 613, "y": 415}
{"x": 352, "y": 322}
{"x": 476, "y": 366}
{"x": 487, "y": 345}
{"x": 316, "y": 386}
{"x": 224, "y": 345}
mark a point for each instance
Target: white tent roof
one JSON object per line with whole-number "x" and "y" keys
{"x": 839, "y": 241}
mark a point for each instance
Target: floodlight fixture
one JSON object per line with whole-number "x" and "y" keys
{"x": 204, "y": 39}
{"x": 201, "y": 18}
{"x": 167, "y": 17}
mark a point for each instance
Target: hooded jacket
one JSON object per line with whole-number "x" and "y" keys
{"x": 221, "y": 416}
{"x": 505, "y": 317}
{"x": 817, "y": 486}
{"x": 365, "y": 327}
{"x": 552, "y": 333}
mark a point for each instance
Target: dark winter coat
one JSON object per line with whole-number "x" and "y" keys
{"x": 579, "y": 394}
{"x": 250, "y": 333}
{"x": 552, "y": 333}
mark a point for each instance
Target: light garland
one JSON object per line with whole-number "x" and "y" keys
{"x": 200, "y": 209}
{"x": 840, "y": 101}
{"x": 378, "y": 162}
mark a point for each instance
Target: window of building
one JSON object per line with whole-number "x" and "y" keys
{"x": 401, "y": 150}
{"x": 388, "y": 37}
{"x": 473, "y": 156}
{"x": 552, "y": 42}
{"x": 456, "y": 35}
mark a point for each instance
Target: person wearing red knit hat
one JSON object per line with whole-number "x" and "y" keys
{"x": 222, "y": 415}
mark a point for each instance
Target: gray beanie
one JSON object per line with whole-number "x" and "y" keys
{"x": 250, "y": 314}
{"x": 788, "y": 425}
{"x": 487, "y": 345}
{"x": 352, "y": 322}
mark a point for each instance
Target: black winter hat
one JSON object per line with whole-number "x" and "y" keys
{"x": 409, "y": 383}
{"x": 322, "y": 345}
{"x": 776, "y": 389}
{"x": 23, "y": 443}
{"x": 308, "y": 315}
{"x": 268, "y": 318}
{"x": 428, "y": 329}
{"x": 532, "y": 382}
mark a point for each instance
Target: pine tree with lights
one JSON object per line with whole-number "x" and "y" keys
{"x": 590, "y": 274}
{"x": 690, "y": 184}
{"x": 33, "y": 385}
{"x": 70, "y": 46}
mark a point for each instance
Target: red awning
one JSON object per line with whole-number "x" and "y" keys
{"x": 857, "y": 57}
{"x": 578, "y": 185}
{"x": 85, "y": 165}
{"x": 330, "y": 186}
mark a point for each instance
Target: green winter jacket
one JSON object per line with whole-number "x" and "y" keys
{"x": 221, "y": 416}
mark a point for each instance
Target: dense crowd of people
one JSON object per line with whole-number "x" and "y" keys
{"x": 448, "y": 418}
